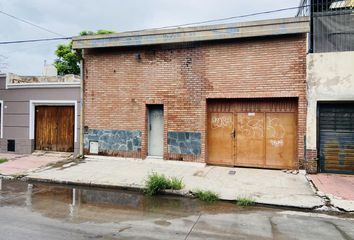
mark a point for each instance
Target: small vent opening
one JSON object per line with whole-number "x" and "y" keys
{"x": 10, "y": 145}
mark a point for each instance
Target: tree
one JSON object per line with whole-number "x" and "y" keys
{"x": 68, "y": 60}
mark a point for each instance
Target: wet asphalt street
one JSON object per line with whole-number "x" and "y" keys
{"x": 40, "y": 211}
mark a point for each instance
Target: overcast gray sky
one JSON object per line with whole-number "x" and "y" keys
{"x": 69, "y": 17}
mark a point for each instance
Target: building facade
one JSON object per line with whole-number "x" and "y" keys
{"x": 231, "y": 94}
{"x": 330, "y": 87}
{"x": 39, "y": 113}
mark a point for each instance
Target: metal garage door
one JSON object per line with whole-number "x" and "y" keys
{"x": 256, "y": 132}
{"x": 336, "y": 137}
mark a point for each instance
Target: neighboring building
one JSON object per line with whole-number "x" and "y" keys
{"x": 330, "y": 86}
{"x": 232, "y": 94}
{"x": 39, "y": 113}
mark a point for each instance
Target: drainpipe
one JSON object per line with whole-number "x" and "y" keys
{"x": 82, "y": 104}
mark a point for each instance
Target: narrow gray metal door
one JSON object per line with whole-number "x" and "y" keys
{"x": 155, "y": 130}
{"x": 336, "y": 143}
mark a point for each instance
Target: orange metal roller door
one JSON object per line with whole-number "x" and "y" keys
{"x": 253, "y": 132}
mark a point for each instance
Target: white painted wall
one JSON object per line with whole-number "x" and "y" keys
{"x": 330, "y": 77}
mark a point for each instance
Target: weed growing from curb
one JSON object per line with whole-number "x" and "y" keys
{"x": 3, "y": 160}
{"x": 206, "y": 196}
{"x": 176, "y": 183}
{"x": 245, "y": 202}
{"x": 158, "y": 182}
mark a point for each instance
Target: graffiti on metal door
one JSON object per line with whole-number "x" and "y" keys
{"x": 250, "y": 127}
{"x": 221, "y": 122}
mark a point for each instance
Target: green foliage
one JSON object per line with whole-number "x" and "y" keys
{"x": 155, "y": 183}
{"x": 85, "y": 33}
{"x": 244, "y": 201}
{"x": 176, "y": 183}
{"x": 3, "y": 160}
{"x": 68, "y": 60}
{"x": 101, "y": 31}
{"x": 158, "y": 182}
{"x": 206, "y": 196}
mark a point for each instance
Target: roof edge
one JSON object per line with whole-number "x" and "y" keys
{"x": 268, "y": 27}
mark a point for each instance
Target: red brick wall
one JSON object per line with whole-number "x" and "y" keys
{"x": 311, "y": 154}
{"x": 311, "y": 163}
{"x": 119, "y": 84}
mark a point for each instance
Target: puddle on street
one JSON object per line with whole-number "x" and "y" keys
{"x": 83, "y": 204}
{"x": 98, "y": 205}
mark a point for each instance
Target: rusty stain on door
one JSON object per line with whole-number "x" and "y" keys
{"x": 336, "y": 137}
{"x": 220, "y": 138}
{"x": 250, "y": 139}
{"x": 280, "y": 139}
{"x": 252, "y": 133}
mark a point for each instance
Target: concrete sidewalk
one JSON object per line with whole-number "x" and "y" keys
{"x": 20, "y": 164}
{"x": 339, "y": 189}
{"x": 264, "y": 186}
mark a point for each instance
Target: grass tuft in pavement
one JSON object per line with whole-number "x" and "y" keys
{"x": 206, "y": 196}
{"x": 158, "y": 182}
{"x": 244, "y": 201}
{"x": 3, "y": 160}
{"x": 176, "y": 183}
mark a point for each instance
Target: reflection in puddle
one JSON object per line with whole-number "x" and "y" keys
{"x": 80, "y": 204}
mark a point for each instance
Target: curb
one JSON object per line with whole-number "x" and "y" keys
{"x": 168, "y": 192}
{"x": 132, "y": 188}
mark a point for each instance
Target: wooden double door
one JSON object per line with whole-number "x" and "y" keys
{"x": 254, "y": 134}
{"x": 54, "y": 128}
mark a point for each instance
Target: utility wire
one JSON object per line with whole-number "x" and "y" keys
{"x": 170, "y": 26}
{"x": 40, "y": 45}
{"x": 30, "y": 23}
{"x": 225, "y": 19}
{"x": 35, "y": 40}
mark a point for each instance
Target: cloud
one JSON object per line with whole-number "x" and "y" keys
{"x": 71, "y": 17}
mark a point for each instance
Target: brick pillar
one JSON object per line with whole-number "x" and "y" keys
{"x": 311, "y": 163}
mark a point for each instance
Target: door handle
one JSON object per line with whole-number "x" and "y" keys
{"x": 233, "y": 134}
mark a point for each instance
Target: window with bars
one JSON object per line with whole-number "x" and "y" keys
{"x": 332, "y": 24}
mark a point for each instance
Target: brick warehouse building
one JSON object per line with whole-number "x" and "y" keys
{"x": 231, "y": 94}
